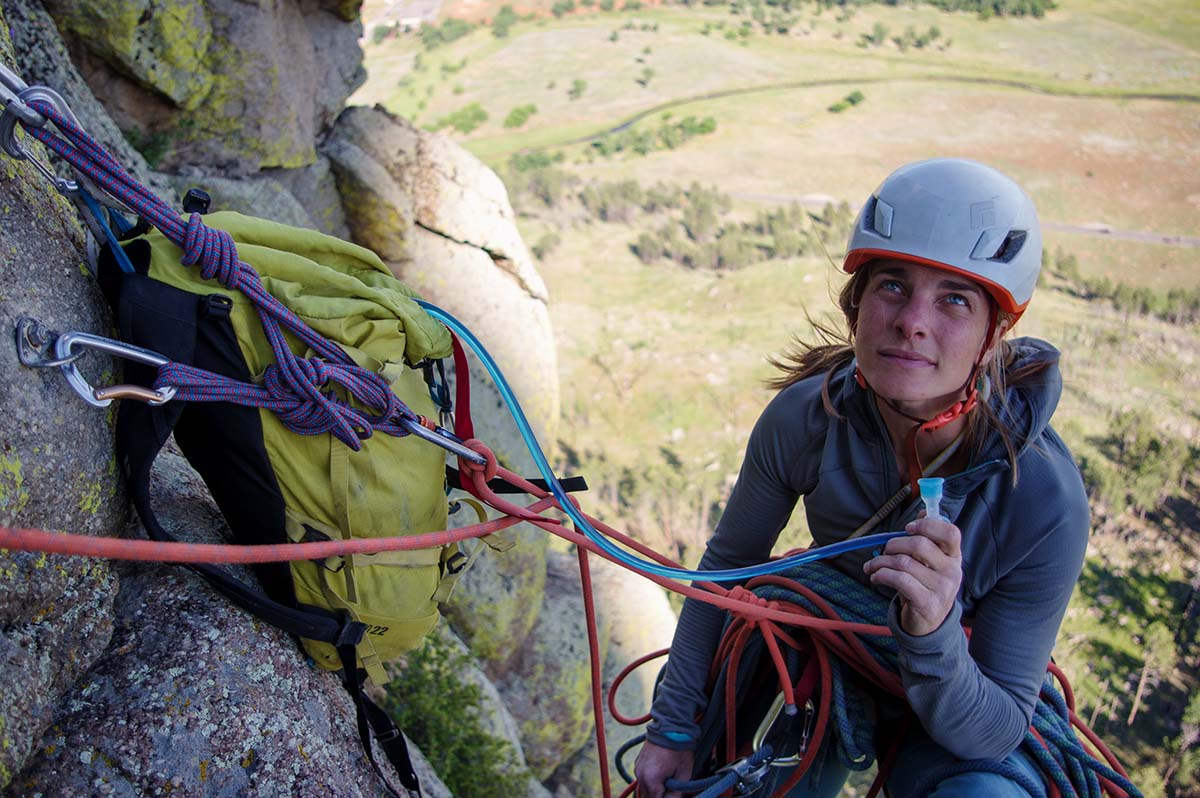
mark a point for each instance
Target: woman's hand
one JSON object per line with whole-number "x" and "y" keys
{"x": 655, "y": 765}
{"x": 925, "y": 568}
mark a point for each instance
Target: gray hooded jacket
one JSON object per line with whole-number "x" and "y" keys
{"x": 1023, "y": 549}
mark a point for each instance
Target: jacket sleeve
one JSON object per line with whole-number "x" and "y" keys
{"x": 767, "y": 488}
{"x": 976, "y": 699}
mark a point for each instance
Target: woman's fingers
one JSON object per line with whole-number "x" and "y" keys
{"x": 925, "y": 569}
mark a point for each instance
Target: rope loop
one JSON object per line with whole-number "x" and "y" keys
{"x": 214, "y": 250}
{"x": 490, "y": 469}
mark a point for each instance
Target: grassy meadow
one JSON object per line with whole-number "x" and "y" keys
{"x": 1094, "y": 108}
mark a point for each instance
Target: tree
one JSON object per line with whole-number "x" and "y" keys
{"x": 1184, "y": 770}
{"x": 700, "y": 215}
{"x": 504, "y": 20}
{"x": 1158, "y": 652}
{"x": 520, "y": 115}
{"x": 648, "y": 248}
{"x": 578, "y": 87}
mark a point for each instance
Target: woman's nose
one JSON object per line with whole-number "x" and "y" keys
{"x": 912, "y": 319}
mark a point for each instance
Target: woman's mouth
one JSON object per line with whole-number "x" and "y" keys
{"x": 905, "y": 358}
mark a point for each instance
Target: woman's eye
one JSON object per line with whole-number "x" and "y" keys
{"x": 891, "y": 285}
{"x": 958, "y": 299}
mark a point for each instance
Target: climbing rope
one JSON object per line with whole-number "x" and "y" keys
{"x": 819, "y": 591}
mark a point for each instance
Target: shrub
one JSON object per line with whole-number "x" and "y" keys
{"x": 381, "y": 32}
{"x": 647, "y": 247}
{"x": 545, "y": 245}
{"x": 524, "y": 162}
{"x": 504, "y": 20}
{"x": 441, "y": 713}
{"x": 520, "y": 115}
{"x": 465, "y": 119}
{"x": 450, "y": 30}
{"x": 578, "y": 87}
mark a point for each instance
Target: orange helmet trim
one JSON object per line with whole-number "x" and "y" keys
{"x": 858, "y": 257}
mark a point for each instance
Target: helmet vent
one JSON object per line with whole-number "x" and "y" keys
{"x": 1010, "y": 247}
{"x": 881, "y": 217}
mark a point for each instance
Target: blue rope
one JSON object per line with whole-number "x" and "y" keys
{"x": 745, "y": 775}
{"x": 580, "y": 520}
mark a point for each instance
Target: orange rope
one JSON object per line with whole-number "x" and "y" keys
{"x": 829, "y": 635}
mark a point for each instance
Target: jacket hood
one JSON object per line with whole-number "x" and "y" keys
{"x": 1030, "y": 405}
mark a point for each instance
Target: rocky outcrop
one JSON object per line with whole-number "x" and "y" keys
{"x": 443, "y": 223}
{"x": 640, "y": 620}
{"x": 231, "y": 86}
{"x": 57, "y": 469}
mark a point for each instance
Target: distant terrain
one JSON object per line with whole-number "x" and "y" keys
{"x": 686, "y": 175}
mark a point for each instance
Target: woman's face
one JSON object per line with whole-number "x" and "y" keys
{"x": 919, "y": 334}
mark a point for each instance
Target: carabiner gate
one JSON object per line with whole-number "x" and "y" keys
{"x": 16, "y": 96}
{"x": 65, "y": 347}
{"x": 768, "y": 724}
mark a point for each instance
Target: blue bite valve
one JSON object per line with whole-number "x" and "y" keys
{"x": 931, "y": 494}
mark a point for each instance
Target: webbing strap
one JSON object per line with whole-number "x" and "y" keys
{"x": 376, "y": 723}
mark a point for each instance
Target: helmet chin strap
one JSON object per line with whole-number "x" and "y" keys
{"x": 977, "y": 386}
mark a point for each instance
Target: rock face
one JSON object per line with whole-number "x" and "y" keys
{"x": 140, "y": 680}
{"x": 640, "y": 620}
{"x": 226, "y": 84}
{"x": 194, "y": 698}
{"x": 443, "y": 222}
{"x": 57, "y": 469}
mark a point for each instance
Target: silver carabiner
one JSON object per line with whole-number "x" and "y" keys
{"x": 444, "y": 438}
{"x": 16, "y": 96}
{"x": 11, "y": 87}
{"x": 67, "y": 343}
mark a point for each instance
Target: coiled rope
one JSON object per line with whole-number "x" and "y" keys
{"x": 819, "y": 591}
{"x": 292, "y": 387}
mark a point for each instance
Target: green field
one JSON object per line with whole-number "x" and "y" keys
{"x": 1094, "y": 108}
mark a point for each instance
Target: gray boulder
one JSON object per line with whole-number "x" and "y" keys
{"x": 231, "y": 86}
{"x": 640, "y": 620}
{"x": 443, "y": 221}
{"x": 548, "y": 689}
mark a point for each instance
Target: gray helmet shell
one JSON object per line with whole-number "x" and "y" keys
{"x": 959, "y": 216}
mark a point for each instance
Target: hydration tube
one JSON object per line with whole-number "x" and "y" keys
{"x": 590, "y": 532}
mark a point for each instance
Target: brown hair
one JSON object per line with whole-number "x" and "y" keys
{"x": 834, "y": 348}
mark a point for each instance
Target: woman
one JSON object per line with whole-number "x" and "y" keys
{"x": 943, "y": 259}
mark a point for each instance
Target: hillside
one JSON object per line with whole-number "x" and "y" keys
{"x": 780, "y": 113}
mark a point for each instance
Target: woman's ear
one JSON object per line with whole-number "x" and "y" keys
{"x": 1003, "y": 324}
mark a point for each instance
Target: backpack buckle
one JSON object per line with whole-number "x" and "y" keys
{"x": 351, "y": 633}
{"x": 456, "y": 562}
{"x": 388, "y": 736}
